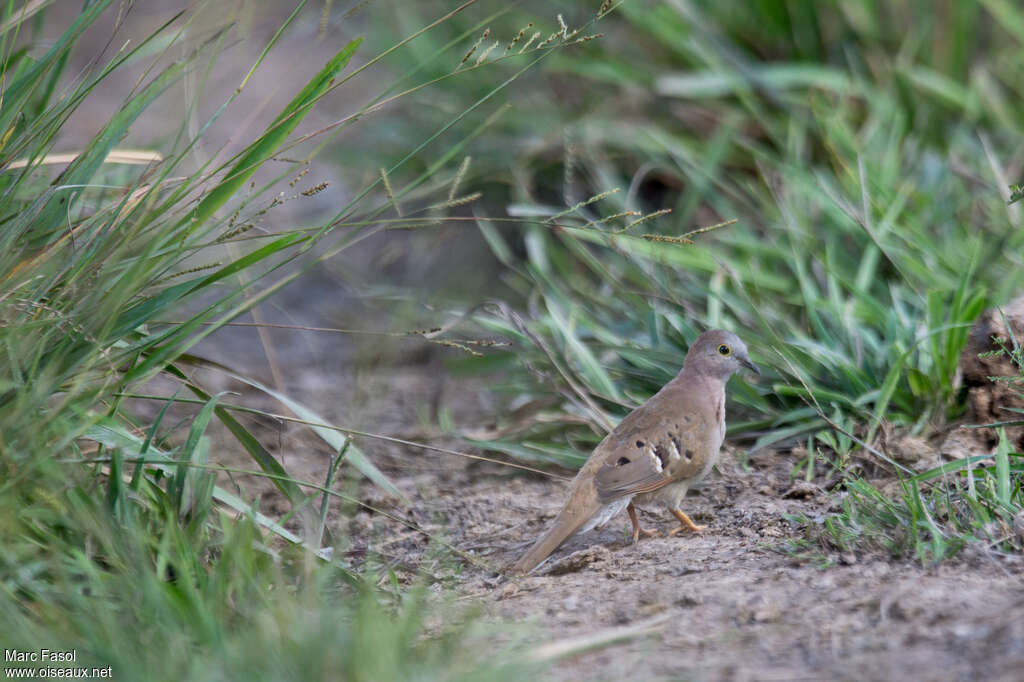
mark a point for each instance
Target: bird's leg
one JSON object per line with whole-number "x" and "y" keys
{"x": 637, "y": 530}
{"x": 687, "y": 523}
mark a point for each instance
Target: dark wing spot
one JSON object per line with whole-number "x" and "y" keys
{"x": 676, "y": 441}
{"x": 622, "y": 461}
{"x": 688, "y": 454}
{"x": 661, "y": 454}
{"x": 639, "y": 443}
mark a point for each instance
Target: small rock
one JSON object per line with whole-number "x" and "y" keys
{"x": 508, "y": 591}
{"x": 759, "y": 609}
{"x": 801, "y": 490}
{"x": 677, "y": 570}
{"x": 826, "y": 581}
{"x": 915, "y": 451}
{"x": 878, "y": 569}
{"x": 768, "y": 612}
{"x": 771, "y": 532}
{"x": 689, "y": 600}
{"x": 963, "y": 443}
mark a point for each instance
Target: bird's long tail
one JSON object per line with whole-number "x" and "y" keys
{"x": 568, "y": 521}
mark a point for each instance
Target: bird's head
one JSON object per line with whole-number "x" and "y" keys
{"x": 719, "y": 353}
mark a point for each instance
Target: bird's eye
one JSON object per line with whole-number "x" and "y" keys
{"x": 723, "y": 350}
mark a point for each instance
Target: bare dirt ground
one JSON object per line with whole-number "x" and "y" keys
{"x": 739, "y": 608}
{"x": 733, "y": 603}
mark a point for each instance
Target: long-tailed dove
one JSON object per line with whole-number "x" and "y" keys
{"x": 657, "y": 452}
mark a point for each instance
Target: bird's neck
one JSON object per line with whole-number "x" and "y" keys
{"x": 689, "y": 376}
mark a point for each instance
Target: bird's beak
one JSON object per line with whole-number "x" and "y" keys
{"x": 750, "y": 365}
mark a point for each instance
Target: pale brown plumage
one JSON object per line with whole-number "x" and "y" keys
{"x": 657, "y": 452}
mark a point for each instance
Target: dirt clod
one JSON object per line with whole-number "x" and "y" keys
{"x": 988, "y": 400}
{"x": 801, "y": 490}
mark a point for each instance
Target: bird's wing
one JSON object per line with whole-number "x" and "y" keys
{"x": 668, "y": 439}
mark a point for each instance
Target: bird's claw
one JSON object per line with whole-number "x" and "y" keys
{"x": 646, "y": 532}
{"x": 686, "y": 523}
{"x": 679, "y": 529}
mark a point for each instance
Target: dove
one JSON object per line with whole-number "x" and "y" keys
{"x": 656, "y": 453}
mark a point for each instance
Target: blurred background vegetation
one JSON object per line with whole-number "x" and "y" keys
{"x": 520, "y": 172}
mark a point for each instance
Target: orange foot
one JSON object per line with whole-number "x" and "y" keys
{"x": 637, "y": 530}
{"x": 687, "y": 523}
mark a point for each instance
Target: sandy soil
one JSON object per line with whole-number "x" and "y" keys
{"x": 734, "y": 603}
{"x": 740, "y": 608}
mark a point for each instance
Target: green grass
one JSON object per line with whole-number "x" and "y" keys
{"x": 118, "y": 541}
{"x": 977, "y": 499}
{"x": 862, "y": 150}
{"x": 853, "y": 157}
